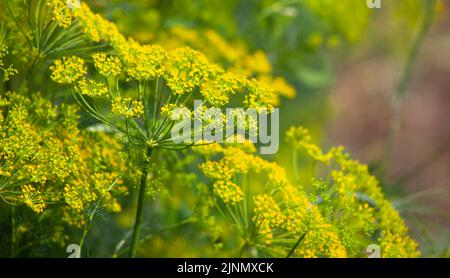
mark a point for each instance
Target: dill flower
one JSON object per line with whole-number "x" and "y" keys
{"x": 287, "y": 208}
{"x": 216, "y": 170}
{"x": 73, "y": 198}
{"x": 92, "y": 88}
{"x": 127, "y": 107}
{"x": 300, "y": 139}
{"x": 144, "y": 62}
{"x": 218, "y": 90}
{"x": 266, "y": 208}
{"x": 47, "y": 158}
{"x": 175, "y": 112}
{"x": 107, "y": 65}
{"x": 7, "y": 71}
{"x": 259, "y": 97}
{"x": 235, "y": 58}
{"x": 61, "y": 11}
{"x": 258, "y": 63}
{"x": 33, "y": 198}
{"x": 228, "y": 192}
{"x": 68, "y": 70}
{"x": 358, "y": 199}
{"x": 186, "y": 70}
{"x": 279, "y": 86}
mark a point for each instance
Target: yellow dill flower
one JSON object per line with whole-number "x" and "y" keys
{"x": 107, "y": 65}
{"x": 287, "y": 209}
{"x": 231, "y": 52}
{"x": 276, "y": 174}
{"x": 144, "y": 62}
{"x": 7, "y": 71}
{"x": 183, "y": 69}
{"x": 186, "y": 69}
{"x": 218, "y": 90}
{"x": 267, "y": 209}
{"x": 92, "y": 88}
{"x": 33, "y": 198}
{"x": 61, "y": 11}
{"x": 72, "y": 198}
{"x": 95, "y": 26}
{"x": 279, "y": 86}
{"x": 259, "y": 96}
{"x": 228, "y": 192}
{"x": 128, "y": 107}
{"x": 43, "y": 108}
{"x": 258, "y": 63}
{"x": 175, "y": 112}
{"x": 265, "y": 232}
{"x": 359, "y": 200}
{"x": 299, "y": 138}
{"x": 68, "y": 70}
{"x": 237, "y": 159}
{"x": 216, "y": 170}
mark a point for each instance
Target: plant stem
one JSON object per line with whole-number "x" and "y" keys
{"x": 295, "y": 164}
{"x": 13, "y": 232}
{"x": 120, "y": 251}
{"x": 140, "y": 207}
{"x": 296, "y": 245}
{"x": 85, "y": 233}
{"x": 399, "y": 95}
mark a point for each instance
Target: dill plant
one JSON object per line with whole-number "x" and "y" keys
{"x": 334, "y": 216}
{"x": 158, "y": 81}
{"x": 247, "y": 205}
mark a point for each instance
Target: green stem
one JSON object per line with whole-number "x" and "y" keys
{"x": 85, "y": 232}
{"x": 399, "y": 95}
{"x": 189, "y": 220}
{"x": 296, "y": 244}
{"x": 140, "y": 207}
{"x": 295, "y": 164}
{"x": 13, "y": 231}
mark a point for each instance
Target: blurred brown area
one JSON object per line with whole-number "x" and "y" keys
{"x": 362, "y": 99}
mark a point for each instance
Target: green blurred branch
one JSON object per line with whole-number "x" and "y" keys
{"x": 400, "y": 93}
{"x": 140, "y": 207}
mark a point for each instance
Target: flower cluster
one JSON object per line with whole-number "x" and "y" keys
{"x": 33, "y": 198}
{"x": 185, "y": 69}
{"x": 356, "y": 196}
{"x": 107, "y": 65}
{"x": 300, "y": 139}
{"x": 91, "y": 87}
{"x": 234, "y": 55}
{"x": 9, "y": 71}
{"x": 68, "y": 70}
{"x": 158, "y": 79}
{"x": 335, "y": 219}
{"x": 283, "y": 216}
{"x": 49, "y": 160}
{"x": 228, "y": 191}
{"x": 61, "y": 11}
{"x": 127, "y": 107}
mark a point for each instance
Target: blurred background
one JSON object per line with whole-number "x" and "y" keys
{"x": 373, "y": 80}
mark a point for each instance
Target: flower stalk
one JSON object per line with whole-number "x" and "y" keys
{"x": 140, "y": 206}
